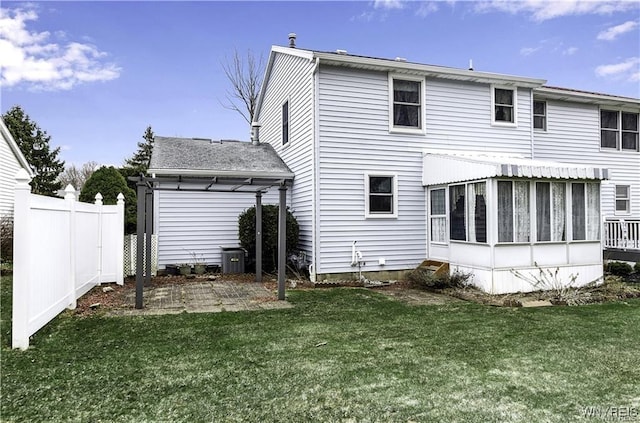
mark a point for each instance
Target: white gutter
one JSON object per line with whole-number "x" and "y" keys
{"x": 553, "y": 93}
{"x": 221, "y": 173}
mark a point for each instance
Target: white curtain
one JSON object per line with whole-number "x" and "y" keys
{"x": 558, "y": 208}
{"x": 505, "y": 211}
{"x": 522, "y": 226}
{"x": 593, "y": 211}
{"x": 438, "y": 229}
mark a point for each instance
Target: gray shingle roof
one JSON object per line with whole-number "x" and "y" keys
{"x": 203, "y": 157}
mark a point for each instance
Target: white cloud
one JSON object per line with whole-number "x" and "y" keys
{"x": 626, "y": 70}
{"x": 612, "y": 33}
{"x": 570, "y": 51}
{"x": 33, "y": 59}
{"x": 427, "y": 8}
{"x": 528, "y": 51}
{"x": 388, "y": 4}
{"x": 542, "y": 10}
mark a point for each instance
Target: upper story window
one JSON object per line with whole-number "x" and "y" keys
{"x": 504, "y": 105}
{"x": 623, "y": 199}
{"x": 285, "y": 123}
{"x": 619, "y": 130}
{"x": 540, "y": 115}
{"x": 406, "y": 104}
{"x": 381, "y": 195}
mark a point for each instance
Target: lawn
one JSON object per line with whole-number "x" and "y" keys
{"x": 343, "y": 354}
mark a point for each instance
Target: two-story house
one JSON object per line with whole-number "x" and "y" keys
{"x": 398, "y": 162}
{"x": 490, "y": 173}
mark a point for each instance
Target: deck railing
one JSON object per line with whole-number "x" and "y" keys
{"x": 622, "y": 234}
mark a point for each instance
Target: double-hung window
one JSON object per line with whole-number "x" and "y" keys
{"x": 468, "y": 212}
{"x": 514, "y": 221}
{"x": 623, "y": 199}
{"x": 619, "y": 130}
{"x": 381, "y": 195}
{"x": 585, "y": 211}
{"x": 406, "y": 104}
{"x": 438, "y": 208}
{"x": 540, "y": 115}
{"x": 504, "y": 105}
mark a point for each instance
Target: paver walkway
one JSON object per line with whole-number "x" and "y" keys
{"x": 203, "y": 297}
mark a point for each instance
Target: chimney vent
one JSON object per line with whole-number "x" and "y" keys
{"x": 255, "y": 133}
{"x": 292, "y": 39}
{"x": 339, "y": 51}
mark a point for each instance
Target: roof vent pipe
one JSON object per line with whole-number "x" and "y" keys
{"x": 470, "y": 64}
{"x": 292, "y": 40}
{"x": 255, "y": 133}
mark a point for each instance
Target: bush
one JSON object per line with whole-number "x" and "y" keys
{"x": 247, "y": 234}
{"x": 6, "y": 238}
{"x": 618, "y": 268}
{"x": 426, "y": 279}
{"x": 636, "y": 267}
{"x": 109, "y": 182}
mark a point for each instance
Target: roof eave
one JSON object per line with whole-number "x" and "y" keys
{"x": 552, "y": 93}
{"x": 387, "y": 65}
{"x": 206, "y": 173}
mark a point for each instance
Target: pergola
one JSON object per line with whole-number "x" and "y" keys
{"x": 202, "y": 165}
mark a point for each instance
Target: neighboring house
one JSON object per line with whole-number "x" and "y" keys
{"x": 416, "y": 162}
{"x": 398, "y": 162}
{"x": 11, "y": 160}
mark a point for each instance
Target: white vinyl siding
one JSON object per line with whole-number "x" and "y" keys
{"x": 9, "y": 166}
{"x": 200, "y": 222}
{"x": 291, "y": 81}
{"x": 573, "y": 136}
{"x": 458, "y": 117}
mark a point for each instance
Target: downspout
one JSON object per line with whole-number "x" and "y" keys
{"x": 316, "y": 174}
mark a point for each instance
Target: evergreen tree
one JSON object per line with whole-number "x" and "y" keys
{"x": 109, "y": 183}
{"x": 139, "y": 162}
{"x": 34, "y": 144}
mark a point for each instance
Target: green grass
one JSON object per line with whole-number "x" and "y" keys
{"x": 339, "y": 355}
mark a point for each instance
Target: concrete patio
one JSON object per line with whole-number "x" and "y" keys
{"x": 206, "y": 296}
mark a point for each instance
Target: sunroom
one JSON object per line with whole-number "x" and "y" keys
{"x": 505, "y": 219}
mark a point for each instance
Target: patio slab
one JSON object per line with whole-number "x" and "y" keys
{"x": 202, "y": 297}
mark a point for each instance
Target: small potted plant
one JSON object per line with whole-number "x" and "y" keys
{"x": 199, "y": 264}
{"x": 184, "y": 268}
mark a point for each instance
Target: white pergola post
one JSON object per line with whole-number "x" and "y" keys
{"x": 282, "y": 240}
{"x": 258, "y": 236}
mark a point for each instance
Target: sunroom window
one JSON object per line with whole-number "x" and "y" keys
{"x": 438, "y": 210}
{"x": 514, "y": 222}
{"x": 468, "y": 212}
{"x": 551, "y": 211}
{"x": 585, "y": 211}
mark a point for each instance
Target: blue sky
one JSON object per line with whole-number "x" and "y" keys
{"x": 95, "y": 74}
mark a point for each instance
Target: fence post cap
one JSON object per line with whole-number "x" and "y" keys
{"x": 120, "y": 198}
{"x": 98, "y": 198}
{"x": 70, "y": 192}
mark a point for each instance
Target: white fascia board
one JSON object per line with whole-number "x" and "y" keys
{"x": 224, "y": 174}
{"x": 387, "y": 65}
{"x": 306, "y": 54}
{"x": 552, "y": 93}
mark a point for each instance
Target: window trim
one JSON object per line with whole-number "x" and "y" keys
{"x": 543, "y": 116}
{"x": 627, "y": 199}
{"x": 394, "y": 193}
{"x": 495, "y": 122}
{"x": 421, "y": 130}
{"x": 286, "y": 124}
{"x": 444, "y": 216}
{"x": 619, "y": 131}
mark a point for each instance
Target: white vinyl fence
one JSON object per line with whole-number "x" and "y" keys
{"x": 62, "y": 248}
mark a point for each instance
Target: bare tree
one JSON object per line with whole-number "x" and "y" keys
{"x": 245, "y": 75}
{"x": 77, "y": 176}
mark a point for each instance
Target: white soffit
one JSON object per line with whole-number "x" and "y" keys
{"x": 439, "y": 168}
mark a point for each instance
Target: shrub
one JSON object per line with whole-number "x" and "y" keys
{"x": 636, "y": 267}
{"x": 426, "y": 279}
{"x": 6, "y": 238}
{"x": 247, "y": 234}
{"x": 618, "y": 268}
{"x": 109, "y": 182}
